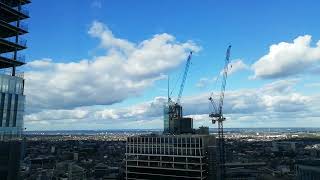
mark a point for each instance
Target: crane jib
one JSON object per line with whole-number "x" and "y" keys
{"x": 186, "y": 69}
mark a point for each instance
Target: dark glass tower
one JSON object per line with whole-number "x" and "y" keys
{"x": 12, "y": 99}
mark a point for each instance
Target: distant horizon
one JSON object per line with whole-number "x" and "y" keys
{"x": 108, "y": 65}
{"x": 162, "y": 129}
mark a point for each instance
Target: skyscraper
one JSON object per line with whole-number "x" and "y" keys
{"x": 12, "y": 98}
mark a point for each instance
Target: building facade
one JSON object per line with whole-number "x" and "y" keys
{"x": 11, "y": 80}
{"x": 307, "y": 169}
{"x": 12, "y": 102}
{"x": 185, "y": 156}
{"x": 181, "y": 152}
{"x": 12, "y": 98}
{"x": 173, "y": 120}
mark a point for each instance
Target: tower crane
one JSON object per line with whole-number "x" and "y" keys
{"x": 174, "y": 108}
{"x": 184, "y": 78}
{"x": 217, "y": 116}
{"x": 186, "y": 69}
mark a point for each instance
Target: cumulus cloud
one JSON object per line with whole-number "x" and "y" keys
{"x": 140, "y": 111}
{"x": 235, "y": 66}
{"x": 280, "y": 86}
{"x": 287, "y": 59}
{"x": 126, "y": 70}
{"x": 203, "y": 82}
{"x": 71, "y": 92}
{"x": 270, "y": 103}
{"x": 61, "y": 114}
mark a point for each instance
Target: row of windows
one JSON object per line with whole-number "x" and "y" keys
{"x": 193, "y": 167}
{"x": 164, "y": 151}
{"x": 164, "y": 139}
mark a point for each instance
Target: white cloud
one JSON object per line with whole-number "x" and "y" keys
{"x": 287, "y": 59}
{"x": 271, "y": 104}
{"x": 44, "y": 63}
{"x": 108, "y": 40}
{"x": 236, "y": 66}
{"x": 49, "y": 115}
{"x": 140, "y": 111}
{"x": 280, "y": 86}
{"x": 126, "y": 70}
{"x": 203, "y": 82}
{"x": 69, "y": 92}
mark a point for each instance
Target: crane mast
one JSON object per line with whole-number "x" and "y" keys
{"x": 217, "y": 116}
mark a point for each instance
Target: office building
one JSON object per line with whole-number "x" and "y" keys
{"x": 12, "y": 99}
{"x": 184, "y": 156}
{"x": 307, "y": 169}
{"x": 179, "y": 153}
{"x": 11, "y": 81}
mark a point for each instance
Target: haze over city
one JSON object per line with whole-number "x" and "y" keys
{"x": 105, "y": 65}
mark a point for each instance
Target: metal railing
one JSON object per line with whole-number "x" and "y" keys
{"x": 22, "y": 25}
{"x": 13, "y": 6}
{"x": 20, "y": 57}
{"x": 22, "y": 10}
{"x": 20, "y": 74}
{"x": 21, "y": 41}
{"x": 8, "y": 71}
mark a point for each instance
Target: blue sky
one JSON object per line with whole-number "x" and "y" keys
{"x": 89, "y": 31}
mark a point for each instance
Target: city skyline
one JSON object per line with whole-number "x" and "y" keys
{"x": 106, "y": 69}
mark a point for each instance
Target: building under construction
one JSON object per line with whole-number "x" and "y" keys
{"x": 181, "y": 152}
{"x": 172, "y": 157}
{"x": 12, "y": 99}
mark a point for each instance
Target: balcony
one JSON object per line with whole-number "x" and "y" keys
{"x": 15, "y": 3}
{"x": 11, "y": 14}
{"x": 8, "y": 72}
{"x": 23, "y": 26}
{"x": 10, "y": 44}
{"x": 11, "y": 29}
{"x": 7, "y": 60}
{"x": 22, "y": 10}
{"x": 21, "y": 41}
{"x": 20, "y": 57}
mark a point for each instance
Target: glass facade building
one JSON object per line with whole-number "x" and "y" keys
{"x": 307, "y": 169}
{"x": 12, "y": 99}
{"x": 12, "y": 102}
{"x": 173, "y": 120}
{"x": 166, "y": 118}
